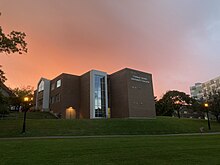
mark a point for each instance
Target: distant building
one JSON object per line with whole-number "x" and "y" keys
{"x": 127, "y": 93}
{"x": 196, "y": 91}
{"x": 203, "y": 90}
{"x": 211, "y": 86}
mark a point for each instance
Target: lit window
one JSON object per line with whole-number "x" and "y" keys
{"x": 99, "y": 92}
{"x": 41, "y": 86}
{"x": 58, "y": 83}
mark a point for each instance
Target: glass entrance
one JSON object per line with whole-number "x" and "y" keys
{"x": 100, "y": 99}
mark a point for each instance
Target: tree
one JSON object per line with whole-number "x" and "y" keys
{"x": 198, "y": 106}
{"x": 214, "y": 104}
{"x": 2, "y": 75}
{"x": 12, "y": 42}
{"x": 172, "y": 100}
{"x": 4, "y": 109}
{"x": 20, "y": 93}
{"x": 164, "y": 107}
{"x": 23, "y": 91}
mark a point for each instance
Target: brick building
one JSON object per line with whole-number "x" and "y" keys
{"x": 126, "y": 93}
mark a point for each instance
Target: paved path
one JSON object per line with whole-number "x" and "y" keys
{"x": 106, "y": 136}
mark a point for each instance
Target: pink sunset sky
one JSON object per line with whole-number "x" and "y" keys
{"x": 178, "y": 41}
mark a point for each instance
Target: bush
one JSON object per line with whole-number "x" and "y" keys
{"x": 4, "y": 110}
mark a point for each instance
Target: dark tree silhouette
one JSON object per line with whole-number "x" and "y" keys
{"x": 214, "y": 104}
{"x": 2, "y": 75}
{"x": 172, "y": 100}
{"x": 12, "y": 42}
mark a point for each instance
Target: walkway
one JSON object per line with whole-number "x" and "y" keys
{"x": 106, "y": 136}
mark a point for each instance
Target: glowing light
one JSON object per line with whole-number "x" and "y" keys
{"x": 206, "y": 105}
{"x": 26, "y": 99}
{"x": 177, "y": 102}
{"x": 70, "y": 113}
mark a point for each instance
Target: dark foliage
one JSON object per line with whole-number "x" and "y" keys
{"x": 172, "y": 100}
{"x": 4, "y": 108}
{"x": 12, "y": 42}
{"x": 2, "y": 75}
{"x": 214, "y": 104}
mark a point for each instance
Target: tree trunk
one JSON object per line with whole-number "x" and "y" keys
{"x": 24, "y": 122}
{"x": 178, "y": 113}
{"x": 216, "y": 116}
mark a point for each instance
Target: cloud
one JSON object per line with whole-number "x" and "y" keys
{"x": 173, "y": 39}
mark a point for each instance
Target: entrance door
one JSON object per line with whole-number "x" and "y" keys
{"x": 70, "y": 113}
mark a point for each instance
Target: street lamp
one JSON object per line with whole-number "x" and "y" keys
{"x": 26, "y": 99}
{"x": 26, "y": 102}
{"x": 206, "y": 105}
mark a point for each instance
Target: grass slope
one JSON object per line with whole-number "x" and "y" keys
{"x": 30, "y": 115}
{"x": 52, "y": 127}
{"x": 183, "y": 150}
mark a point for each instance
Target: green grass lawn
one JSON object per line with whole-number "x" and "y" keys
{"x": 30, "y": 115}
{"x": 53, "y": 127}
{"x": 203, "y": 149}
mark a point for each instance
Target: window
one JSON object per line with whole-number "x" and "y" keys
{"x": 58, "y": 83}
{"x": 52, "y": 86}
{"x": 57, "y": 98}
{"x": 100, "y": 102}
{"x": 52, "y": 99}
{"x": 41, "y": 86}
